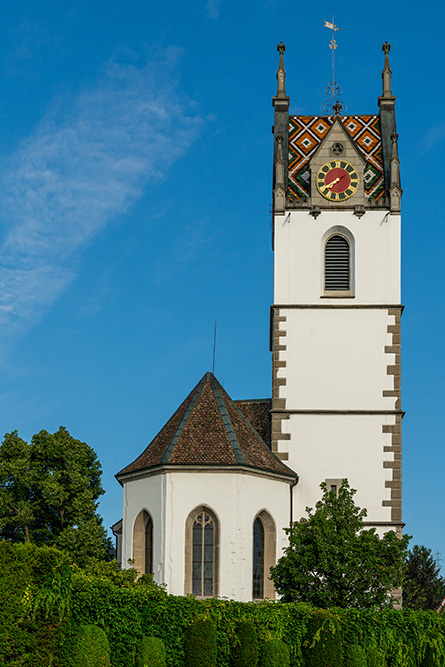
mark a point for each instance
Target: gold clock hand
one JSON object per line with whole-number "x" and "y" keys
{"x": 332, "y": 183}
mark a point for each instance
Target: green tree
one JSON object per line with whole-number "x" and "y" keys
{"x": 423, "y": 587}
{"x": 49, "y": 491}
{"x": 332, "y": 561}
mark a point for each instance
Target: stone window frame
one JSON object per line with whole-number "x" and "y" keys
{"x": 188, "y": 551}
{"x": 270, "y": 550}
{"x": 338, "y": 230}
{"x": 139, "y": 540}
{"x": 333, "y": 482}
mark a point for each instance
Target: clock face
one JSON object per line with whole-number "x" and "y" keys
{"x": 337, "y": 180}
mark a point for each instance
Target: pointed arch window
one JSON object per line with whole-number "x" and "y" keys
{"x": 258, "y": 560}
{"x": 143, "y": 543}
{"x": 201, "y": 553}
{"x": 264, "y": 538}
{"x": 337, "y": 266}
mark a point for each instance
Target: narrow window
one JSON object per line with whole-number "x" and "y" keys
{"x": 143, "y": 543}
{"x": 203, "y": 560}
{"x": 258, "y": 560}
{"x": 337, "y": 265}
{"x": 148, "y": 545}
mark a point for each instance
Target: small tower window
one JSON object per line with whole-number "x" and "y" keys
{"x": 337, "y": 276}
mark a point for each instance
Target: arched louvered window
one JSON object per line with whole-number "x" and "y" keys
{"x": 337, "y": 269}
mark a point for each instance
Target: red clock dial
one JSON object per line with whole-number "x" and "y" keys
{"x": 337, "y": 180}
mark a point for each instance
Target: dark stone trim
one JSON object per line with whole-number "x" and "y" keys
{"x": 396, "y": 524}
{"x": 395, "y": 430}
{"x": 340, "y": 412}
{"x": 375, "y": 306}
{"x": 278, "y": 343}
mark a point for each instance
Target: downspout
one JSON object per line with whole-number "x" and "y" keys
{"x": 291, "y": 488}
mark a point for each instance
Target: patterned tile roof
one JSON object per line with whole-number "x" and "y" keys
{"x": 306, "y": 134}
{"x": 209, "y": 429}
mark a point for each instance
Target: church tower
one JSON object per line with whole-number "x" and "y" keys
{"x": 336, "y": 402}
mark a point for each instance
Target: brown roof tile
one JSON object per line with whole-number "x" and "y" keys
{"x": 257, "y": 413}
{"x": 209, "y": 429}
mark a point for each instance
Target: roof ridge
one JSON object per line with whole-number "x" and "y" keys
{"x": 226, "y": 420}
{"x": 184, "y": 420}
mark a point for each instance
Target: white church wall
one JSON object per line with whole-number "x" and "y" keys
{"x": 235, "y": 498}
{"x": 340, "y": 446}
{"x": 299, "y": 256}
{"x": 335, "y": 359}
{"x": 145, "y": 493}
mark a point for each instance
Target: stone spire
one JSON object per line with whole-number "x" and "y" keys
{"x": 281, "y": 73}
{"x": 395, "y": 191}
{"x": 281, "y": 100}
{"x": 387, "y": 117}
{"x": 386, "y": 74}
{"x": 281, "y": 137}
{"x": 279, "y": 189}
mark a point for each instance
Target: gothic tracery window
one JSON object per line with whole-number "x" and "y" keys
{"x": 204, "y": 545}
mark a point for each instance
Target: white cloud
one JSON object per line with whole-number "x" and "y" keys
{"x": 88, "y": 160}
{"x": 213, "y": 8}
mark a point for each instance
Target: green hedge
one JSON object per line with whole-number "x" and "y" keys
{"x": 41, "y": 613}
{"x": 35, "y": 591}
{"x": 129, "y": 613}
{"x": 244, "y": 651}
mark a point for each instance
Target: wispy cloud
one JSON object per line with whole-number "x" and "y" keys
{"x": 89, "y": 159}
{"x": 213, "y": 8}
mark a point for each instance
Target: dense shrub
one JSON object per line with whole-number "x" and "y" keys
{"x": 274, "y": 653}
{"x": 35, "y": 587}
{"x": 355, "y": 656}
{"x": 245, "y": 645}
{"x": 375, "y": 657}
{"x": 91, "y": 648}
{"x": 323, "y": 646}
{"x": 151, "y": 653}
{"x": 200, "y": 643}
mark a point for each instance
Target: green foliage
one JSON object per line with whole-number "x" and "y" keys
{"x": 332, "y": 561}
{"x": 245, "y": 645}
{"x": 275, "y": 653}
{"x": 423, "y": 587}
{"x": 375, "y": 657}
{"x": 91, "y": 648}
{"x": 111, "y": 572}
{"x": 323, "y": 644}
{"x": 355, "y": 656}
{"x": 151, "y": 653}
{"x": 49, "y": 491}
{"x": 35, "y": 589}
{"x": 200, "y": 643}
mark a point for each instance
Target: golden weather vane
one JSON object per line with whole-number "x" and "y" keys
{"x": 333, "y": 89}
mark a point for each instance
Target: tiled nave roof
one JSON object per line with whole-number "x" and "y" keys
{"x": 208, "y": 429}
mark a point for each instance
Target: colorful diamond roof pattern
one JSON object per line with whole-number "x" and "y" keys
{"x": 305, "y": 135}
{"x": 208, "y": 429}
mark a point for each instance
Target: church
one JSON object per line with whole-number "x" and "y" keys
{"x": 205, "y": 504}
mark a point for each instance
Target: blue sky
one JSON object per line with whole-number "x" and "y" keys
{"x": 135, "y": 163}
